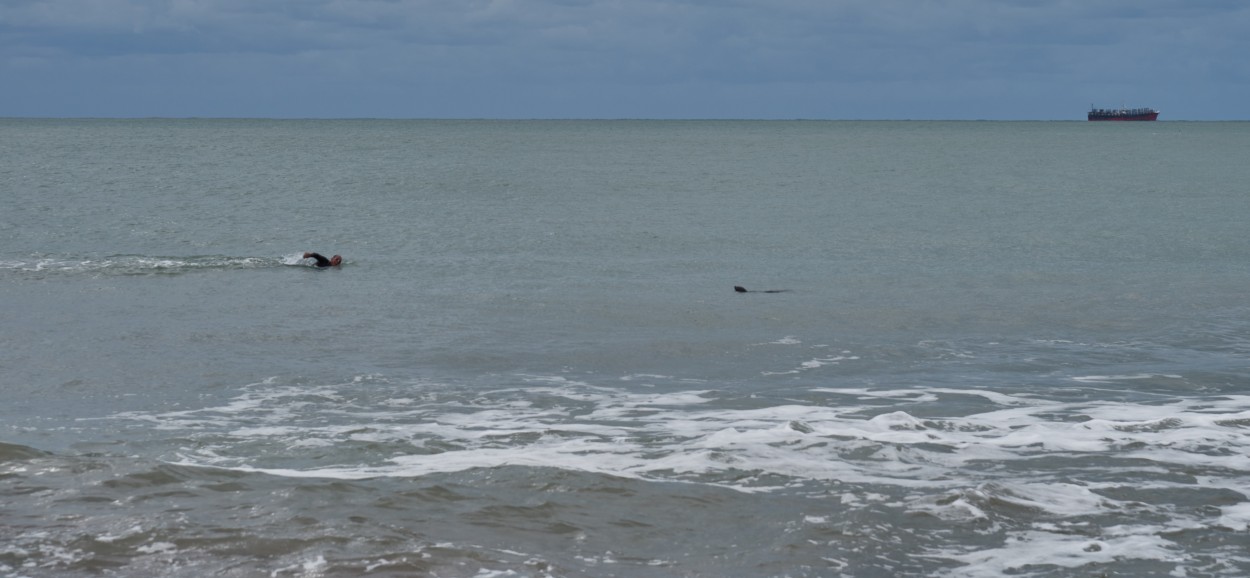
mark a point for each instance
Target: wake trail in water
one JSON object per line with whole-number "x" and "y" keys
{"x": 121, "y": 265}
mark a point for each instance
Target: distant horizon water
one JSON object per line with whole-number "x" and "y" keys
{"x": 1075, "y": 118}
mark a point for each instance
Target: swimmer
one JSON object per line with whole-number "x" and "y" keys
{"x": 334, "y": 261}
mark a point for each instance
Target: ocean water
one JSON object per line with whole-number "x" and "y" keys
{"x": 999, "y": 348}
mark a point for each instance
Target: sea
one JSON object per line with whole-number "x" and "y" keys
{"x": 964, "y": 349}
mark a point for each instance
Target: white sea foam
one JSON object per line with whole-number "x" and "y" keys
{"x": 313, "y": 567}
{"x": 1236, "y": 517}
{"x": 814, "y": 363}
{"x": 1051, "y": 498}
{"x": 1022, "y": 550}
{"x": 157, "y": 548}
{"x": 787, "y": 340}
{"x": 987, "y": 471}
{"x": 688, "y": 435}
{"x": 1112, "y": 378}
{"x": 108, "y": 538}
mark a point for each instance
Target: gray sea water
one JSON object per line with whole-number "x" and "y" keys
{"x": 1002, "y": 348}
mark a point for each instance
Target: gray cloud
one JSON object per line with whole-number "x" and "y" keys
{"x": 951, "y": 59}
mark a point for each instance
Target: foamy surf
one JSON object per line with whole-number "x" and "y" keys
{"x": 993, "y": 469}
{"x": 699, "y": 435}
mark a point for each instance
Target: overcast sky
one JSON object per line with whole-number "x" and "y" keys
{"x": 817, "y": 59}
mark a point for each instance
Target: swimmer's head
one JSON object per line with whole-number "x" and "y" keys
{"x": 335, "y": 261}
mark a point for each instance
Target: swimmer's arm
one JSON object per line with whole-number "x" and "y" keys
{"x": 321, "y": 260}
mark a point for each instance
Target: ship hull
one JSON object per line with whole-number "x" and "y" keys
{"x": 1151, "y": 116}
{"x": 1122, "y": 113}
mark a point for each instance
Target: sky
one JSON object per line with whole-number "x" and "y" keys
{"x": 655, "y": 59}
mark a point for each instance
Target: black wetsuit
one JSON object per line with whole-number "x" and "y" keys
{"x": 321, "y": 261}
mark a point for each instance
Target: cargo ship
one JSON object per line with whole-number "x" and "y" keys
{"x": 1123, "y": 114}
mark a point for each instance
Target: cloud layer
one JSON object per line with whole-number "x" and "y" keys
{"x": 617, "y": 58}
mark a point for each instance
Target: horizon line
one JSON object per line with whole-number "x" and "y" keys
{"x": 569, "y": 119}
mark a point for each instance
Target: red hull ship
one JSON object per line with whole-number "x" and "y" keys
{"x": 1123, "y": 114}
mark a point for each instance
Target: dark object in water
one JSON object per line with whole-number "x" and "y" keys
{"x": 334, "y": 261}
{"x": 741, "y": 289}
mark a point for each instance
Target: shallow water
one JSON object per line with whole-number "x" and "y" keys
{"x": 1003, "y": 348}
